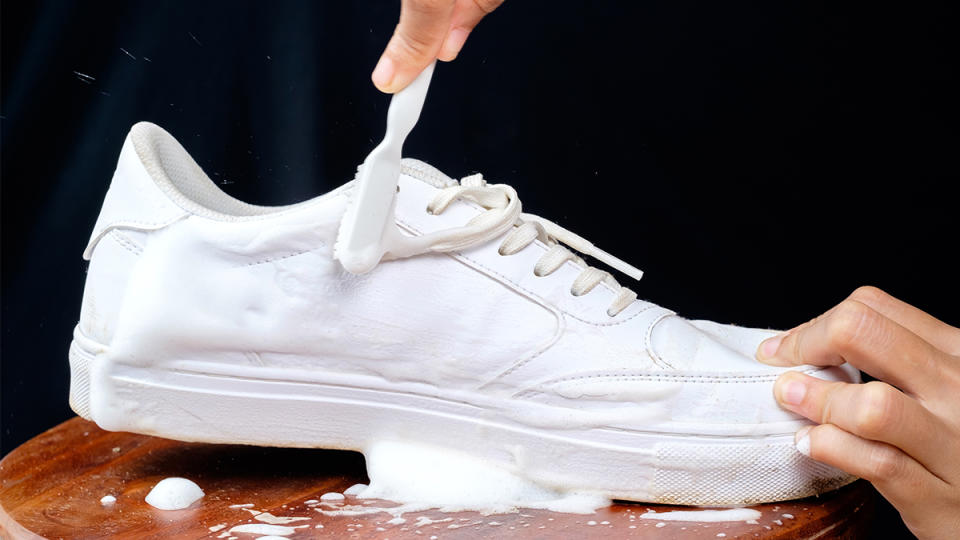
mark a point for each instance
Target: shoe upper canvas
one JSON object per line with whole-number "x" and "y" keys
{"x": 185, "y": 277}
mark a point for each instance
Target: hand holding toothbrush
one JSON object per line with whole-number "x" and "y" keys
{"x": 428, "y": 30}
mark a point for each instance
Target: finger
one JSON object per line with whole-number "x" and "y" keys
{"x": 854, "y": 332}
{"x": 895, "y": 475}
{"x": 466, "y": 15}
{"x": 936, "y": 332}
{"x": 874, "y": 411}
{"x": 415, "y": 43}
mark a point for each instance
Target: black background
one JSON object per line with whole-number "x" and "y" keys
{"x": 758, "y": 160}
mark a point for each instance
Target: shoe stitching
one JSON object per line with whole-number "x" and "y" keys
{"x": 565, "y": 312}
{"x": 732, "y": 378}
{"x": 282, "y": 257}
{"x": 476, "y": 263}
{"x": 572, "y": 265}
{"x": 561, "y": 328}
{"x": 648, "y": 341}
{"x": 549, "y": 388}
{"x": 125, "y": 242}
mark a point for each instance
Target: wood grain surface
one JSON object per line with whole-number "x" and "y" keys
{"x": 51, "y": 487}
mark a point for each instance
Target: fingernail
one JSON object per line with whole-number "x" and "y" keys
{"x": 792, "y": 392}
{"x": 769, "y": 347}
{"x": 383, "y": 74}
{"x": 454, "y": 42}
{"x": 802, "y": 440}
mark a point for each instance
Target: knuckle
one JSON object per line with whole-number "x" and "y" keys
{"x": 884, "y": 463}
{"x": 431, "y": 6}
{"x": 487, "y": 6}
{"x": 847, "y": 322}
{"x": 877, "y": 410}
{"x": 411, "y": 46}
{"x": 869, "y": 295}
{"x": 827, "y": 409}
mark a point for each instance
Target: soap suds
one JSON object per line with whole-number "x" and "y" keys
{"x": 423, "y": 520}
{"x": 355, "y": 489}
{"x": 216, "y": 528}
{"x": 271, "y": 537}
{"x": 435, "y": 477}
{"x": 174, "y": 494}
{"x": 247, "y": 505}
{"x": 733, "y": 514}
{"x": 257, "y": 528}
{"x": 267, "y": 517}
{"x": 331, "y": 497}
{"x": 108, "y": 500}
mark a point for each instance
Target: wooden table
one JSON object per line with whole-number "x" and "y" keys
{"x": 52, "y": 485}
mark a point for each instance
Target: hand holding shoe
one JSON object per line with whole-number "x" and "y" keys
{"x": 902, "y": 434}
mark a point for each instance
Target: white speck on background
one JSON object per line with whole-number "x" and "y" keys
{"x": 108, "y": 500}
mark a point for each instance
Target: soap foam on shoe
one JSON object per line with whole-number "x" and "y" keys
{"x": 430, "y": 477}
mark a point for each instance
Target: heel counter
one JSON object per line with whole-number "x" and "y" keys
{"x": 134, "y": 201}
{"x": 133, "y": 207}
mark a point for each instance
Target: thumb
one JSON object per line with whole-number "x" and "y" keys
{"x": 415, "y": 43}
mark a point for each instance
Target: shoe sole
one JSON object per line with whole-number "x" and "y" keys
{"x": 249, "y": 408}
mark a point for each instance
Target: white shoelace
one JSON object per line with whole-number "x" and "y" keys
{"x": 503, "y": 214}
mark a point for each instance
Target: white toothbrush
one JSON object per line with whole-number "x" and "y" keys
{"x": 368, "y": 229}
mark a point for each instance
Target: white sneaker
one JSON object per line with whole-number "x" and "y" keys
{"x": 208, "y": 319}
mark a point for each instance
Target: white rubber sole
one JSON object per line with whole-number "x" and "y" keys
{"x": 262, "y": 407}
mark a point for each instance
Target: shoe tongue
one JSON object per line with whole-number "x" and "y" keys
{"x": 426, "y": 173}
